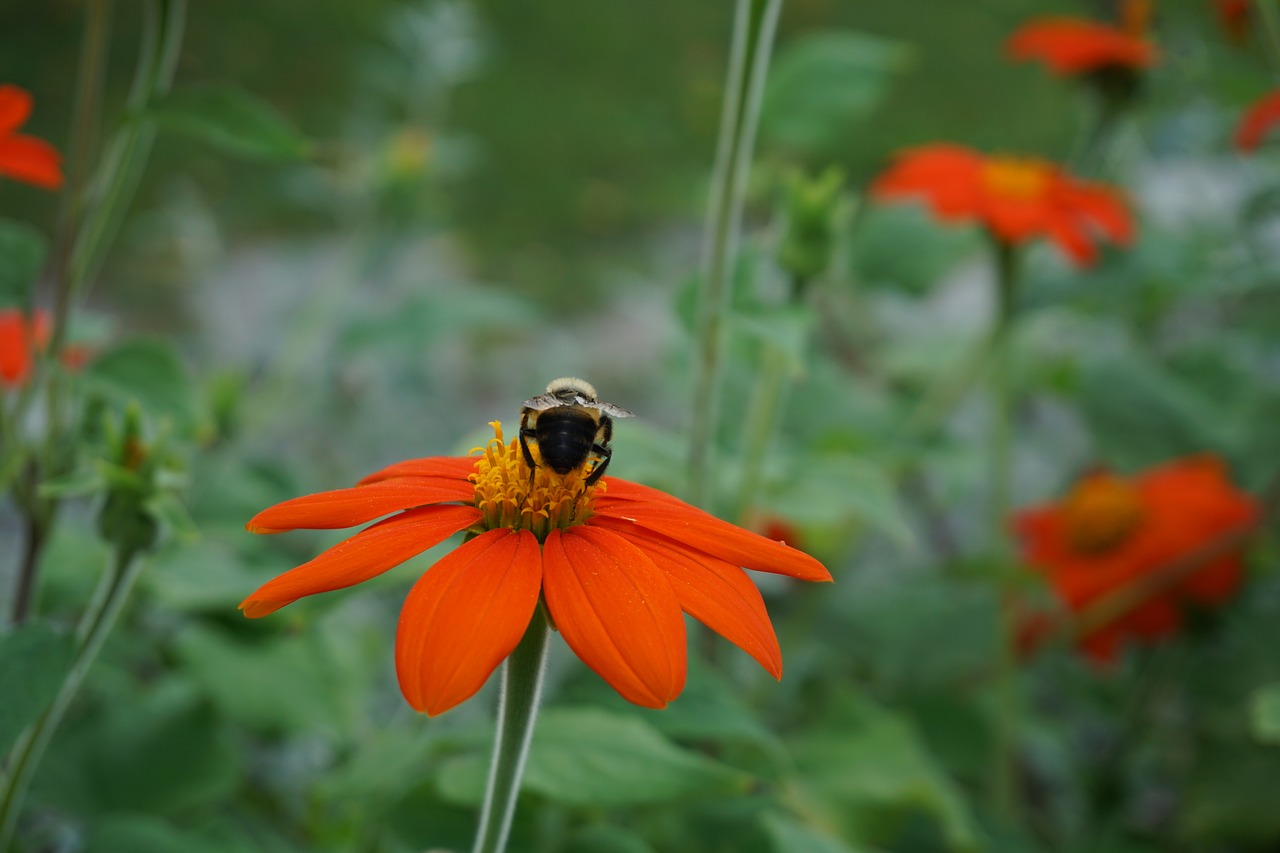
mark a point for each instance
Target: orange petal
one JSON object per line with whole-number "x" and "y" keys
{"x": 368, "y": 554}
{"x": 696, "y": 529}
{"x": 452, "y": 467}
{"x": 718, "y": 594}
{"x": 349, "y": 507}
{"x": 31, "y": 160}
{"x": 464, "y": 616}
{"x": 15, "y": 350}
{"x": 15, "y": 107}
{"x": 617, "y": 612}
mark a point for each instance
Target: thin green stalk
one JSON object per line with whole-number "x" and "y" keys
{"x": 739, "y": 121}
{"x": 94, "y": 628}
{"x": 522, "y": 677}
{"x": 761, "y": 418}
{"x": 1004, "y": 776}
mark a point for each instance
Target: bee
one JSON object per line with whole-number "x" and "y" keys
{"x": 570, "y": 425}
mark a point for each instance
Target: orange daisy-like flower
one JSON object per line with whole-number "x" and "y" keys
{"x": 1257, "y": 122}
{"x": 20, "y": 338}
{"x": 1015, "y": 198}
{"x": 1110, "y": 531}
{"x": 616, "y": 564}
{"x": 1074, "y": 46}
{"x": 25, "y": 158}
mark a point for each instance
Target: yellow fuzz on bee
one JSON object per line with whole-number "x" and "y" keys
{"x": 510, "y": 498}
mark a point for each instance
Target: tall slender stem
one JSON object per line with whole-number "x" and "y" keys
{"x": 95, "y": 625}
{"x": 522, "y": 677}
{"x": 739, "y": 121}
{"x": 1004, "y": 766}
{"x": 761, "y": 419}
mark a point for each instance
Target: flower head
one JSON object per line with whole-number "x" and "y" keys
{"x": 1015, "y": 198}
{"x": 1257, "y": 121}
{"x": 1110, "y": 532}
{"x": 616, "y": 564}
{"x": 25, "y": 158}
{"x": 21, "y": 337}
{"x": 1071, "y": 47}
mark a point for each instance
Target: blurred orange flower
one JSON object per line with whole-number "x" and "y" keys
{"x": 1015, "y": 198}
{"x": 25, "y": 158}
{"x": 615, "y": 562}
{"x": 21, "y": 337}
{"x": 1110, "y": 531}
{"x": 1075, "y": 46}
{"x": 1235, "y": 17}
{"x": 1257, "y": 121}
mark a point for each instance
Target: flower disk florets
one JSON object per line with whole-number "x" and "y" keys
{"x": 509, "y": 496}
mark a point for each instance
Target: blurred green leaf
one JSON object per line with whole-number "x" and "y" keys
{"x": 781, "y": 330}
{"x": 147, "y": 834}
{"x": 231, "y": 120}
{"x": 22, "y": 252}
{"x": 588, "y": 757}
{"x": 1265, "y": 714}
{"x": 789, "y": 836}
{"x": 821, "y": 86}
{"x": 150, "y": 373}
{"x": 33, "y": 661}
{"x": 162, "y": 753}
{"x": 606, "y": 838}
{"x": 835, "y": 488}
{"x": 1232, "y": 795}
{"x": 867, "y": 772}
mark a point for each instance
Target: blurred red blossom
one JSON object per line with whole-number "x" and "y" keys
{"x": 25, "y": 158}
{"x": 1257, "y": 121}
{"x": 1075, "y": 46}
{"x": 21, "y": 338}
{"x": 1235, "y": 18}
{"x": 1111, "y": 532}
{"x": 1015, "y": 198}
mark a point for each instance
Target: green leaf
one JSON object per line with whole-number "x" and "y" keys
{"x": 823, "y": 85}
{"x": 869, "y": 772}
{"x": 150, "y": 373}
{"x": 606, "y": 838}
{"x": 22, "y": 252}
{"x": 146, "y": 834}
{"x": 33, "y": 661}
{"x": 231, "y": 120}
{"x": 588, "y": 757}
{"x": 1264, "y": 713}
{"x": 839, "y": 487}
{"x": 789, "y": 836}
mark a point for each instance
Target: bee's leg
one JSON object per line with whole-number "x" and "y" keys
{"x": 527, "y": 432}
{"x": 596, "y": 473}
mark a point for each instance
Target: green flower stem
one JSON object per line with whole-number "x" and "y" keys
{"x": 1004, "y": 776}
{"x": 522, "y": 676}
{"x": 96, "y": 624}
{"x": 738, "y": 122}
{"x": 761, "y": 419}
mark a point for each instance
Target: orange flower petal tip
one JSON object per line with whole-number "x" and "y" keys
{"x": 1073, "y": 46}
{"x": 618, "y": 565}
{"x": 1257, "y": 122}
{"x": 25, "y": 158}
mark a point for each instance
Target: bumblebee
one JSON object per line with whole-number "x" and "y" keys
{"x": 570, "y": 425}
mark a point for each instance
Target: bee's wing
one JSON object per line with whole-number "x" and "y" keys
{"x": 614, "y": 411}
{"x": 542, "y": 402}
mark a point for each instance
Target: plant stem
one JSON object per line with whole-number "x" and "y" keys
{"x": 738, "y": 122}
{"x": 522, "y": 677}
{"x": 1004, "y": 767}
{"x": 761, "y": 417}
{"x": 95, "y": 625}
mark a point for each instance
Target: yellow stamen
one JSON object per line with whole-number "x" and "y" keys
{"x": 1016, "y": 177}
{"x": 1101, "y": 512}
{"x": 508, "y": 497}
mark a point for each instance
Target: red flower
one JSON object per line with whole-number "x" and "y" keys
{"x": 21, "y": 337}
{"x": 25, "y": 158}
{"x": 616, "y": 563}
{"x": 1258, "y": 121}
{"x": 1015, "y": 198}
{"x": 1111, "y": 531}
{"x": 1073, "y": 46}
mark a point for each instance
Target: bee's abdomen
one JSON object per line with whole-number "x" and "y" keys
{"x": 565, "y": 439}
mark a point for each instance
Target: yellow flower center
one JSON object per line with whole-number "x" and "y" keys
{"x": 509, "y": 497}
{"x": 1101, "y": 512}
{"x": 1016, "y": 177}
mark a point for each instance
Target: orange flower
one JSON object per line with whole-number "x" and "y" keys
{"x": 1112, "y": 530}
{"x": 1016, "y": 198}
{"x": 25, "y": 158}
{"x": 615, "y": 563}
{"x": 1258, "y": 121}
{"x": 1074, "y": 46}
{"x": 20, "y": 338}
